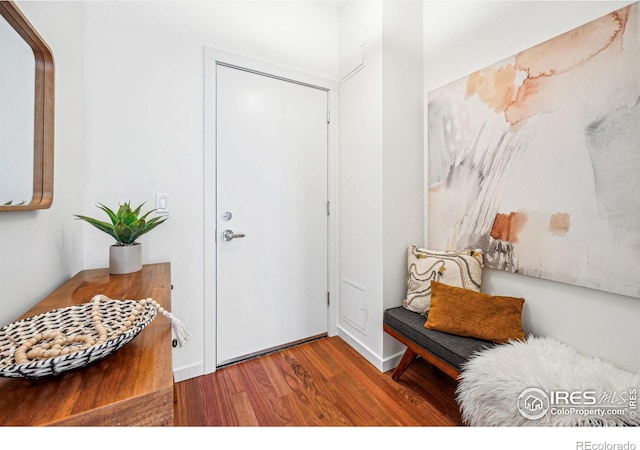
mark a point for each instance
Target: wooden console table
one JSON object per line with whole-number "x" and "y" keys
{"x": 133, "y": 386}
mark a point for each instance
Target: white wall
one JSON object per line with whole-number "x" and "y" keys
{"x": 462, "y": 37}
{"x": 39, "y": 250}
{"x": 380, "y": 170}
{"x": 144, "y": 81}
{"x": 360, "y": 252}
{"x": 403, "y": 151}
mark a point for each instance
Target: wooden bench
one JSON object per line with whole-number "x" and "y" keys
{"x": 445, "y": 351}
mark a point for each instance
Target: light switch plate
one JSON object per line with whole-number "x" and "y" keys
{"x": 162, "y": 203}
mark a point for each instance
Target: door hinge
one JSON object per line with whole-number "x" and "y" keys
{"x": 328, "y": 298}
{"x": 328, "y": 208}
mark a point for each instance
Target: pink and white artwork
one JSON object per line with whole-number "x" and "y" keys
{"x": 536, "y": 159}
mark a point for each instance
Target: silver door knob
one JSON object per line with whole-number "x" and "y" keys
{"x": 227, "y": 235}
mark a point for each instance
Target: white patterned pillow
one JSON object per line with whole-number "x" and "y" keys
{"x": 461, "y": 269}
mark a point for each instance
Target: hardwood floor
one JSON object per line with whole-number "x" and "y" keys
{"x": 321, "y": 383}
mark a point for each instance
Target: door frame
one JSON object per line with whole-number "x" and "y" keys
{"x": 212, "y": 58}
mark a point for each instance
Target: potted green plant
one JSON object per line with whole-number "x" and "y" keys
{"x": 126, "y": 225}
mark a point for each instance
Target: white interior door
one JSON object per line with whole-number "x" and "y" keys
{"x": 272, "y": 193}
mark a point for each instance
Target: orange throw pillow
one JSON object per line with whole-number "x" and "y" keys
{"x": 475, "y": 314}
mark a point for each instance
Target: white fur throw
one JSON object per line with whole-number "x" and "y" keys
{"x": 492, "y": 381}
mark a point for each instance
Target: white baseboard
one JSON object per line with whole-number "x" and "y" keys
{"x": 360, "y": 348}
{"x": 382, "y": 364}
{"x": 392, "y": 361}
{"x": 187, "y": 372}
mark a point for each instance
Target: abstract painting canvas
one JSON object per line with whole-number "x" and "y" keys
{"x": 536, "y": 159}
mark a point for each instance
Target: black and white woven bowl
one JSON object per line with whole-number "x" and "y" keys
{"x": 72, "y": 321}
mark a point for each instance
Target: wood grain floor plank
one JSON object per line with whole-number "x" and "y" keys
{"x": 392, "y": 409}
{"x": 362, "y": 370}
{"x": 359, "y": 406}
{"x": 301, "y": 407}
{"x": 330, "y": 380}
{"x": 318, "y": 400}
{"x": 352, "y": 383}
{"x": 218, "y": 404}
{"x": 321, "y": 360}
{"x": 321, "y": 383}
{"x": 244, "y": 409}
{"x": 425, "y": 383}
{"x": 265, "y": 400}
{"x": 275, "y": 376}
{"x": 210, "y": 412}
{"x": 432, "y": 392}
{"x": 192, "y": 414}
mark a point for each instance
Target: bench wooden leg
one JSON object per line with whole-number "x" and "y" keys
{"x": 408, "y": 357}
{"x": 414, "y": 350}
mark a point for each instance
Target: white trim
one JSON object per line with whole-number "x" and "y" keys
{"x": 213, "y": 57}
{"x": 188, "y": 372}
{"x": 382, "y": 364}
{"x": 365, "y": 351}
{"x": 391, "y": 362}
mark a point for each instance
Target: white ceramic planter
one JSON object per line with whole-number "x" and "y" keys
{"x": 125, "y": 258}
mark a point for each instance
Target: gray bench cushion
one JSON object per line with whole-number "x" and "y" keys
{"x": 452, "y": 349}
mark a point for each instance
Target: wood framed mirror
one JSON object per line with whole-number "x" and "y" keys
{"x": 26, "y": 114}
